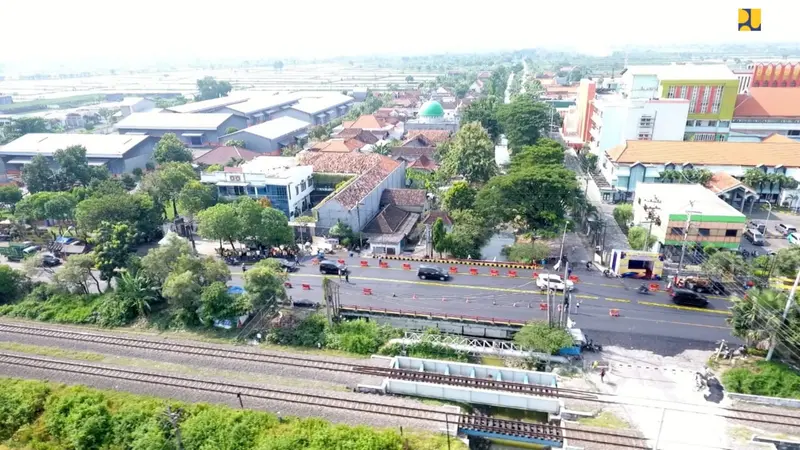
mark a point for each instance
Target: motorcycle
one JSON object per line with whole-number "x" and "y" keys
{"x": 591, "y": 347}
{"x": 643, "y": 289}
{"x": 609, "y": 274}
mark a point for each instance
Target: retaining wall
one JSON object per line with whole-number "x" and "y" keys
{"x": 762, "y": 400}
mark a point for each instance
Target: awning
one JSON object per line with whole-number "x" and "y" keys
{"x": 330, "y": 111}
{"x": 97, "y": 162}
{"x": 192, "y": 134}
{"x": 342, "y": 106}
{"x": 20, "y": 161}
{"x": 285, "y": 143}
{"x": 301, "y": 136}
{"x": 273, "y": 110}
{"x": 258, "y": 115}
{"x": 230, "y": 183}
{"x": 321, "y": 116}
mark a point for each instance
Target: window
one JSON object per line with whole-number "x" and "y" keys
{"x": 704, "y": 137}
{"x": 706, "y": 95}
{"x": 303, "y": 186}
{"x": 731, "y": 233}
{"x": 687, "y": 136}
{"x": 680, "y": 92}
{"x": 704, "y": 232}
{"x": 720, "y": 137}
{"x": 646, "y": 121}
{"x": 693, "y": 100}
{"x": 644, "y": 136}
{"x": 698, "y": 123}
{"x": 793, "y": 84}
{"x": 717, "y": 99}
{"x": 712, "y": 123}
{"x": 793, "y": 133}
{"x": 297, "y": 189}
{"x": 724, "y": 124}
{"x": 783, "y": 83}
{"x": 756, "y": 84}
{"x": 197, "y": 140}
{"x": 676, "y": 230}
{"x": 690, "y": 123}
{"x": 671, "y": 92}
{"x": 774, "y": 84}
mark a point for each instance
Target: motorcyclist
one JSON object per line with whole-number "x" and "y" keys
{"x": 644, "y": 289}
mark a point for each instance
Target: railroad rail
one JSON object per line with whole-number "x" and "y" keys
{"x": 522, "y": 429}
{"x": 512, "y": 427}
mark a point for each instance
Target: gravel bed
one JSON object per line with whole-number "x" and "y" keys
{"x": 277, "y": 407}
{"x": 342, "y": 378}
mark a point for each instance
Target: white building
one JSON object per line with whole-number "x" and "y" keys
{"x": 318, "y": 109}
{"x": 765, "y": 111}
{"x": 130, "y": 105}
{"x": 617, "y": 119}
{"x": 286, "y": 184}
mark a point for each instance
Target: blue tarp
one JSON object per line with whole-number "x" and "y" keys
{"x": 64, "y": 240}
{"x": 235, "y": 290}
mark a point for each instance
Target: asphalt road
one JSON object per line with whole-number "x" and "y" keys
{"x": 646, "y": 316}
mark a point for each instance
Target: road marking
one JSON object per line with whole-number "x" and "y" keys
{"x": 618, "y": 300}
{"x": 676, "y": 323}
{"x": 685, "y": 308}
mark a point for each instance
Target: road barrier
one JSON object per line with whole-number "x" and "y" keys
{"x": 444, "y": 299}
{"x": 453, "y": 269}
{"x": 472, "y": 262}
{"x": 473, "y": 271}
{"x": 315, "y": 262}
{"x": 306, "y": 287}
{"x": 512, "y": 274}
{"x": 543, "y": 306}
{"x": 613, "y": 312}
{"x": 535, "y": 275}
{"x": 364, "y": 263}
{"x": 430, "y": 315}
{"x": 406, "y": 266}
{"x": 574, "y": 278}
{"x": 287, "y": 285}
{"x": 340, "y": 261}
{"x": 384, "y": 265}
{"x": 413, "y": 296}
{"x": 494, "y": 272}
{"x": 367, "y": 291}
{"x": 654, "y": 287}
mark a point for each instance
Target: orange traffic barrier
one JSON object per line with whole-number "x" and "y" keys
{"x": 654, "y": 287}
{"x": 364, "y": 263}
{"x": 384, "y": 265}
{"x": 613, "y": 312}
{"x": 406, "y": 266}
{"x": 473, "y": 271}
{"x": 306, "y": 287}
{"x": 444, "y": 299}
{"x": 453, "y": 269}
{"x": 287, "y": 285}
{"x": 574, "y": 278}
{"x": 340, "y": 261}
{"x": 315, "y": 262}
{"x": 535, "y": 275}
{"x": 512, "y": 273}
{"x": 413, "y": 296}
{"x": 494, "y": 272}
{"x": 367, "y": 291}
{"x": 543, "y": 306}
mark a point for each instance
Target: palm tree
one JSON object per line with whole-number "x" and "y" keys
{"x": 758, "y": 315}
{"x": 138, "y": 290}
{"x": 383, "y": 148}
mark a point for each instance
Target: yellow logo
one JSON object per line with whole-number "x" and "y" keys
{"x": 749, "y": 19}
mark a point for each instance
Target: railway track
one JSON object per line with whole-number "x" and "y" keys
{"x": 511, "y": 427}
{"x": 478, "y": 423}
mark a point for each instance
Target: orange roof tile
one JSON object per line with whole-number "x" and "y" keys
{"x": 431, "y": 136}
{"x": 338, "y": 146}
{"x": 749, "y": 154}
{"x": 778, "y": 138}
{"x": 722, "y": 182}
{"x": 768, "y": 102}
{"x": 372, "y": 122}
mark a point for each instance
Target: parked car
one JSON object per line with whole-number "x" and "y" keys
{"x": 50, "y": 261}
{"x": 761, "y": 227}
{"x": 705, "y": 286}
{"x": 305, "y": 304}
{"x": 785, "y": 229}
{"x": 289, "y": 266}
{"x": 553, "y": 281}
{"x": 754, "y": 236}
{"x": 332, "y": 267}
{"x": 432, "y": 273}
{"x": 688, "y": 297}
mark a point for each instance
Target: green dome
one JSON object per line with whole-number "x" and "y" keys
{"x": 431, "y": 108}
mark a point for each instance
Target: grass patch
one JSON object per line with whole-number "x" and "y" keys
{"x": 518, "y": 414}
{"x": 492, "y": 361}
{"x": 51, "y": 351}
{"x": 63, "y": 102}
{"x": 517, "y": 444}
{"x": 766, "y": 378}
{"x": 605, "y": 420}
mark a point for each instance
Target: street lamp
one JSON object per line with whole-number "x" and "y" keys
{"x": 358, "y": 216}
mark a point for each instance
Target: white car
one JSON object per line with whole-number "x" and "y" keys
{"x": 553, "y": 281}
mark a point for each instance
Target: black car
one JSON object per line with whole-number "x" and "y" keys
{"x": 432, "y": 273}
{"x": 289, "y": 266}
{"x": 50, "y": 261}
{"x": 332, "y": 267}
{"x": 305, "y": 304}
{"x": 689, "y": 297}
{"x": 712, "y": 287}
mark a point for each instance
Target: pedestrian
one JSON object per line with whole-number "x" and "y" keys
{"x": 569, "y": 271}
{"x": 244, "y": 267}
{"x": 340, "y": 274}
{"x": 347, "y": 276}
{"x": 602, "y": 375}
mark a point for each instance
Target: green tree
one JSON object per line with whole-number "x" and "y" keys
{"x": 76, "y": 274}
{"x": 136, "y": 291}
{"x": 21, "y": 126}
{"x": 439, "y": 236}
{"x": 11, "y": 284}
{"x": 384, "y": 148}
{"x": 195, "y": 197}
{"x": 468, "y": 235}
{"x": 10, "y": 195}
{"x": 60, "y": 207}
{"x": 113, "y": 247}
{"x": 236, "y": 143}
{"x": 73, "y": 167}
{"x": 588, "y": 162}
{"x": 460, "y": 196}
{"x": 546, "y": 151}
{"x": 472, "y": 154}
{"x": 636, "y": 237}
{"x": 38, "y": 176}
{"x": 539, "y": 337}
{"x": 183, "y": 290}
{"x": 138, "y": 210}
{"x": 758, "y": 316}
{"x": 230, "y": 130}
{"x": 217, "y": 303}
{"x": 278, "y": 65}
{"x": 409, "y": 79}
{"x": 210, "y": 88}
{"x": 623, "y": 214}
{"x": 263, "y": 284}
{"x": 167, "y": 182}
{"x": 171, "y": 149}
{"x": 128, "y": 181}
{"x": 485, "y": 112}
{"x": 725, "y": 264}
{"x": 160, "y": 261}
{"x": 274, "y": 229}
{"x": 528, "y": 253}
{"x": 219, "y": 222}
{"x": 787, "y": 262}
{"x": 524, "y": 120}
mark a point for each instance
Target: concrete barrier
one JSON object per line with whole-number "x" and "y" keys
{"x": 761, "y": 400}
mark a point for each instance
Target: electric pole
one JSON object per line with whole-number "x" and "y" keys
{"x": 174, "y": 418}
{"x": 330, "y": 293}
{"x": 683, "y": 245}
{"x": 774, "y": 341}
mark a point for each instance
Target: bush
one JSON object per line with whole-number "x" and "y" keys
{"x": 44, "y": 416}
{"x": 765, "y": 378}
{"x": 540, "y": 337}
{"x": 48, "y": 306}
{"x": 527, "y": 253}
{"x": 360, "y": 336}
{"x": 427, "y": 350}
{"x": 309, "y": 332}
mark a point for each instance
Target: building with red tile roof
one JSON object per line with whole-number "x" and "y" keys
{"x": 364, "y": 136}
{"x": 338, "y": 146}
{"x": 412, "y": 200}
{"x": 224, "y": 154}
{"x": 765, "y": 111}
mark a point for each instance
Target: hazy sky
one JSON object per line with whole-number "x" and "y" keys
{"x": 157, "y": 29}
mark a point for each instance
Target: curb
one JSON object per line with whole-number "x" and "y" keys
{"x": 501, "y": 265}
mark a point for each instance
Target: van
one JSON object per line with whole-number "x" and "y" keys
{"x": 754, "y": 236}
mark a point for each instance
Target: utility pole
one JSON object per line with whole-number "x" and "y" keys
{"x": 174, "y": 417}
{"x": 788, "y": 306}
{"x": 647, "y": 238}
{"x": 549, "y": 305}
{"x": 565, "y": 304}
{"x": 330, "y": 293}
{"x": 563, "y": 238}
{"x": 683, "y": 245}
{"x": 660, "y": 427}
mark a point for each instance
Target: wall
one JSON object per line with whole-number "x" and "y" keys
{"x": 640, "y": 86}
{"x": 586, "y": 94}
{"x": 253, "y": 142}
{"x": 669, "y": 120}
{"x": 138, "y": 156}
{"x": 730, "y": 89}
{"x": 297, "y": 115}
{"x": 716, "y": 226}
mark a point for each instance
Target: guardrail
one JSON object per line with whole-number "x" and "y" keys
{"x": 426, "y": 315}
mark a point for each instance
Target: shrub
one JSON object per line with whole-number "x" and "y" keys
{"x": 765, "y": 378}
{"x": 539, "y": 337}
{"x": 309, "y": 332}
{"x": 20, "y": 402}
{"x": 360, "y": 336}
{"x": 424, "y": 350}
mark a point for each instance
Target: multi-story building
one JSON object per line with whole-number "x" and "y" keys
{"x": 286, "y": 184}
{"x": 193, "y": 129}
{"x": 710, "y": 89}
{"x": 318, "y": 109}
{"x": 775, "y": 74}
{"x": 764, "y": 112}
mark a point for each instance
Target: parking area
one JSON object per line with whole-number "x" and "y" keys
{"x": 774, "y": 240}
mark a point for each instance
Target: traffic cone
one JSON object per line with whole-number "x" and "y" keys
{"x": 467, "y": 300}
{"x": 443, "y": 299}
{"x": 414, "y": 297}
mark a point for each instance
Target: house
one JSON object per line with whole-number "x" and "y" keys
{"x": 272, "y": 136}
{"x": 261, "y": 109}
{"x": 359, "y": 94}
{"x": 380, "y": 126}
{"x": 387, "y": 232}
{"x": 320, "y": 109}
{"x": 282, "y": 180}
{"x": 223, "y": 155}
{"x": 411, "y": 200}
{"x": 193, "y": 129}
{"x": 359, "y": 134}
{"x": 426, "y": 138}
{"x": 413, "y": 154}
{"x": 120, "y": 153}
{"x": 367, "y": 175}
{"x": 130, "y": 105}
{"x": 432, "y": 216}
{"x": 340, "y": 146}
{"x": 74, "y": 120}
{"x": 765, "y": 111}
{"x": 636, "y": 162}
